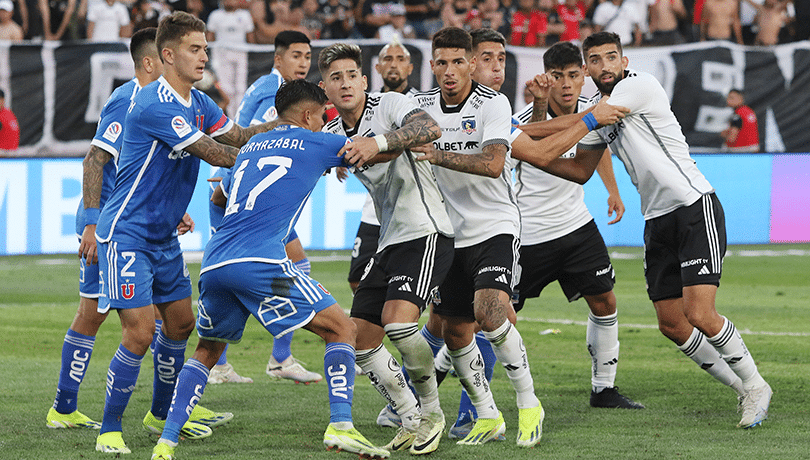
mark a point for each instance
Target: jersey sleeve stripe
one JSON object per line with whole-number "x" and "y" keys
{"x": 191, "y": 139}
{"x": 105, "y": 146}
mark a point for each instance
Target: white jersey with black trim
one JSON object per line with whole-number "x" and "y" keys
{"x": 369, "y": 215}
{"x": 479, "y": 207}
{"x": 406, "y": 198}
{"x": 651, "y": 144}
{"x": 550, "y": 207}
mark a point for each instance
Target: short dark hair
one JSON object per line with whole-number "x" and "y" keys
{"x": 562, "y": 55}
{"x": 599, "y": 39}
{"x": 298, "y": 91}
{"x": 142, "y": 44}
{"x": 338, "y": 51}
{"x": 452, "y": 37}
{"x": 174, "y": 27}
{"x": 286, "y": 38}
{"x": 485, "y": 34}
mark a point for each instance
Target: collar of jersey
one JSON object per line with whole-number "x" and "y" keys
{"x": 457, "y": 107}
{"x": 180, "y": 99}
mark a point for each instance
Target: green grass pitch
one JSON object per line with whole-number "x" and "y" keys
{"x": 688, "y": 416}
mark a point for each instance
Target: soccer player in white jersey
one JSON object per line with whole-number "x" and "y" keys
{"x": 559, "y": 238}
{"x": 684, "y": 234}
{"x": 394, "y": 66}
{"x": 470, "y": 166}
{"x": 292, "y": 60}
{"x": 246, "y": 271}
{"x": 415, "y": 247}
{"x": 142, "y": 267}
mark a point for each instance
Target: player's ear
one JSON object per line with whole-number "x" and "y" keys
{"x": 168, "y": 55}
{"x": 625, "y": 61}
{"x": 585, "y": 70}
{"x": 321, "y": 84}
{"x": 365, "y": 83}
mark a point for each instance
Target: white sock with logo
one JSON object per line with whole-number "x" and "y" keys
{"x": 418, "y": 360}
{"x": 732, "y": 349}
{"x": 602, "y": 337}
{"x": 699, "y": 350}
{"x": 508, "y": 348}
{"x": 469, "y": 365}
{"x": 387, "y": 378}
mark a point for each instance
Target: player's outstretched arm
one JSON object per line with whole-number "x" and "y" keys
{"x": 239, "y": 136}
{"x": 418, "y": 128}
{"x": 212, "y": 152}
{"x": 578, "y": 169}
{"x": 92, "y": 178}
{"x": 605, "y": 170}
{"x": 545, "y": 128}
{"x": 488, "y": 163}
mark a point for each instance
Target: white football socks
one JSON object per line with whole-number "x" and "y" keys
{"x": 387, "y": 377}
{"x": 469, "y": 365}
{"x": 731, "y": 347}
{"x": 508, "y": 347}
{"x": 602, "y": 337}
{"x": 699, "y": 350}
{"x": 418, "y": 360}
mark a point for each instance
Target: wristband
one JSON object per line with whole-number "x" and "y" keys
{"x": 91, "y": 216}
{"x": 590, "y": 121}
{"x": 382, "y": 142}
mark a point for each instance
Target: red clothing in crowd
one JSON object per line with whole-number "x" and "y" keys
{"x": 746, "y": 120}
{"x": 572, "y": 18}
{"x": 527, "y": 27}
{"x": 9, "y": 130}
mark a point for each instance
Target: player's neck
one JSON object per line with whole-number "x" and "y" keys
{"x": 459, "y": 97}
{"x": 399, "y": 89}
{"x": 180, "y": 85}
{"x": 560, "y": 110}
{"x": 351, "y": 117}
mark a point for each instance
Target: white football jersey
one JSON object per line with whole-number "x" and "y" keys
{"x": 369, "y": 215}
{"x": 550, "y": 207}
{"x": 406, "y": 198}
{"x": 650, "y": 143}
{"x": 479, "y": 207}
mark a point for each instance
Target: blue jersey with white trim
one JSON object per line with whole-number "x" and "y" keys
{"x": 259, "y": 103}
{"x": 109, "y": 138}
{"x": 156, "y": 177}
{"x": 274, "y": 175}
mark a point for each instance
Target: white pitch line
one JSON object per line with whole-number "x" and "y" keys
{"x": 571, "y": 322}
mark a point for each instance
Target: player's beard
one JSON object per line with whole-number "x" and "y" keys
{"x": 393, "y": 83}
{"x": 607, "y": 88}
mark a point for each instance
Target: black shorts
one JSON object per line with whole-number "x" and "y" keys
{"x": 684, "y": 248}
{"x": 579, "y": 261}
{"x": 365, "y": 246}
{"x": 409, "y": 271}
{"x": 487, "y": 265}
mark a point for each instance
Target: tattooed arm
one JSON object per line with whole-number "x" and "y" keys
{"x": 418, "y": 128}
{"x": 238, "y": 136}
{"x": 92, "y": 178}
{"x": 212, "y": 152}
{"x": 489, "y": 162}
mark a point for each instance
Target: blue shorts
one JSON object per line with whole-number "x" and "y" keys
{"x": 280, "y": 296}
{"x": 133, "y": 277}
{"x": 88, "y": 280}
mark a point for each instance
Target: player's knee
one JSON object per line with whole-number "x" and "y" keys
{"x": 179, "y": 329}
{"x": 138, "y": 339}
{"x": 603, "y": 304}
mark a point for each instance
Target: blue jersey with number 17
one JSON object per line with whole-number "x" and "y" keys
{"x": 273, "y": 177}
{"x": 156, "y": 177}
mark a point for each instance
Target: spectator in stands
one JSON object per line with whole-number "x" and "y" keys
{"x": 145, "y": 13}
{"x": 742, "y": 135}
{"x": 572, "y": 16}
{"x": 720, "y": 19}
{"x": 20, "y": 15}
{"x": 802, "y": 22}
{"x": 771, "y": 19}
{"x": 266, "y": 25}
{"x": 373, "y": 15}
{"x": 9, "y": 30}
{"x": 9, "y": 128}
{"x": 56, "y": 16}
{"x": 529, "y": 25}
{"x": 210, "y": 85}
{"x": 230, "y": 25}
{"x": 424, "y": 16}
{"x": 620, "y": 17}
{"x": 108, "y": 21}
{"x": 337, "y": 18}
{"x": 455, "y": 13}
{"x": 664, "y": 16}
{"x": 487, "y": 14}
{"x": 310, "y": 19}
{"x": 398, "y": 28}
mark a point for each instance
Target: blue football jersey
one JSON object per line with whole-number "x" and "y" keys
{"x": 273, "y": 177}
{"x": 109, "y": 137}
{"x": 259, "y": 103}
{"x": 156, "y": 177}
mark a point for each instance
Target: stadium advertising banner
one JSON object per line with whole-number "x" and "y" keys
{"x": 764, "y": 197}
{"x": 57, "y": 89}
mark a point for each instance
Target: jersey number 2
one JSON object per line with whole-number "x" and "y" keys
{"x": 283, "y": 164}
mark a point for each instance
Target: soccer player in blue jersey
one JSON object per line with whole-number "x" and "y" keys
{"x": 291, "y": 61}
{"x": 98, "y": 181}
{"x": 165, "y": 136}
{"x": 246, "y": 271}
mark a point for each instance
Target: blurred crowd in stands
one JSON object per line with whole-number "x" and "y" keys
{"x": 523, "y": 22}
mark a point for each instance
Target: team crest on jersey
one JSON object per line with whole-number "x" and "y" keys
{"x": 112, "y": 132}
{"x": 180, "y": 126}
{"x": 128, "y": 290}
{"x": 468, "y": 125}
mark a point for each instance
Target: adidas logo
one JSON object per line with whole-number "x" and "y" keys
{"x": 502, "y": 279}
{"x": 405, "y": 287}
{"x": 703, "y": 271}
{"x": 705, "y": 366}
